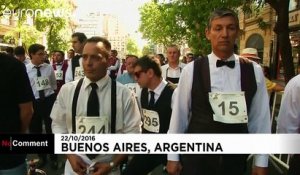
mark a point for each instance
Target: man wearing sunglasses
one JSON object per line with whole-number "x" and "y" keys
{"x": 155, "y": 100}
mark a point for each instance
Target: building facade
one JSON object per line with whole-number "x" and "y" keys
{"x": 257, "y": 32}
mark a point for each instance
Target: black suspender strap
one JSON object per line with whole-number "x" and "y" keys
{"x": 113, "y": 106}
{"x": 74, "y": 105}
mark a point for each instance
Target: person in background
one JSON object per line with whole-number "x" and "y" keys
{"x": 60, "y": 66}
{"x": 128, "y": 77}
{"x": 289, "y": 118}
{"x": 155, "y": 99}
{"x": 101, "y": 103}
{"x": 251, "y": 53}
{"x": 75, "y": 70}
{"x": 71, "y": 54}
{"x": 9, "y": 51}
{"x": 203, "y": 101}
{"x": 19, "y": 52}
{"x": 43, "y": 84}
{"x": 189, "y": 57}
{"x": 171, "y": 71}
{"x": 16, "y": 110}
{"x": 114, "y": 64}
{"x": 161, "y": 59}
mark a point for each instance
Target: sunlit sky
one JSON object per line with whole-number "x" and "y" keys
{"x": 126, "y": 10}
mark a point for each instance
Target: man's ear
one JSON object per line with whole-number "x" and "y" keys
{"x": 207, "y": 32}
{"x": 150, "y": 73}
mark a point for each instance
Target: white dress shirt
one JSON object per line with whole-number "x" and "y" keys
{"x": 46, "y": 71}
{"x": 128, "y": 117}
{"x": 172, "y": 72}
{"x": 289, "y": 113}
{"x": 223, "y": 79}
{"x": 69, "y": 72}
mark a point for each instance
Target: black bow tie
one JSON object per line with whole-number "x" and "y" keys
{"x": 221, "y": 63}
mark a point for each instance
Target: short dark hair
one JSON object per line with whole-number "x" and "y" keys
{"x": 147, "y": 63}
{"x": 34, "y": 48}
{"x": 220, "y": 13}
{"x": 81, "y": 36}
{"x": 106, "y": 43}
{"x": 114, "y": 51}
{"x": 134, "y": 56}
{"x": 9, "y": 50}
{"x": 59, "y": 51}
{"x": 19, "y": 50}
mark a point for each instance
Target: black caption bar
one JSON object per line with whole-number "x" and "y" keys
{"x": 27, "y": 143}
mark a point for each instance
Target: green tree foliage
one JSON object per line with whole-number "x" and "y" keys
{"x": 132, "y": 47}
{"x": 147, "y": 50}
{"x": 50, "y": 17}
{"x": 184, "y": 21}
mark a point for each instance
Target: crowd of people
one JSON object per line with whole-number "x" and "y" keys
{"x": 93, "y": 88}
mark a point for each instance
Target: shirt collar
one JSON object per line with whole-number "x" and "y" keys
{"x": 32, "y": 65}
{"x": 215, "y": 58}
{"x": 101, "y": 83}
{"x": 158, "y": 90}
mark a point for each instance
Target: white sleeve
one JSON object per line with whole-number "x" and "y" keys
{"x": 58, "y": 113}
{"x": 69, "y": 75}
{"x": 289, "y": 113}
{"x": 53, "y": 81}
{"x": 181, "y": 105}
{"x": 116, "y": 66}
{"x": 259, "y": 114}
{"x": 132, "y": 116}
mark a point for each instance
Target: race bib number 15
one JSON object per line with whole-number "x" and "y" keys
{"x": 229, "y": 107}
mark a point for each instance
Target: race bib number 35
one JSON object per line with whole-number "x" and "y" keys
{"x": 91, "y": 125}
{"x": 229, "y": 107}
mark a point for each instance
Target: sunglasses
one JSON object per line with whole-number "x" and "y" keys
{"x": 138, "y": 73}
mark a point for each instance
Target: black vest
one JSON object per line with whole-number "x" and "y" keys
{"x": 75, "y": 63}
{"x": 202, "y": 113}
{"x": 162, "y": 107}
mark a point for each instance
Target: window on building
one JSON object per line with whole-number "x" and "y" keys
{"x": 256, "y": 41}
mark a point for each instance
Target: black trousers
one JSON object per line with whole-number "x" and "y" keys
{"x": 42, "y": 110}
{"x": 142, "y": 164}
{"x": 200, "y": 164}
{"x": 294, "y": 165}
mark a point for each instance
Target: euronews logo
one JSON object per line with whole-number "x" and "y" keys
{"x": 48, "y": 13}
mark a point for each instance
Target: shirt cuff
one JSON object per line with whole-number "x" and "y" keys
{"x": 261, "y": 160}
{"x": 173, "y": 157}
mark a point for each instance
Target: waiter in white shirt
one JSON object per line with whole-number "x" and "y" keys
{"x": 171, "y": 71}
{"x": 225, "y": 94}
{"x": 75, "y": 70}
{"x": 43, "y": 84}
{"x": 289, "y": 117}
{"x": 101, "y": 106}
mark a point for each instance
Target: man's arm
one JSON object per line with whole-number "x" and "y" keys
{"x": 132, "y": 115}
{"x": 69, "y": 75}
{"x": 106, "y": 167}
{"x": 24, "y": 96}
{"x": 181, "y": 106}
{"x": 116, "y": 66}
{"x": 289, "y": 113}
{"x": 259, "y": 118}
{"x": 26, "y": 111}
